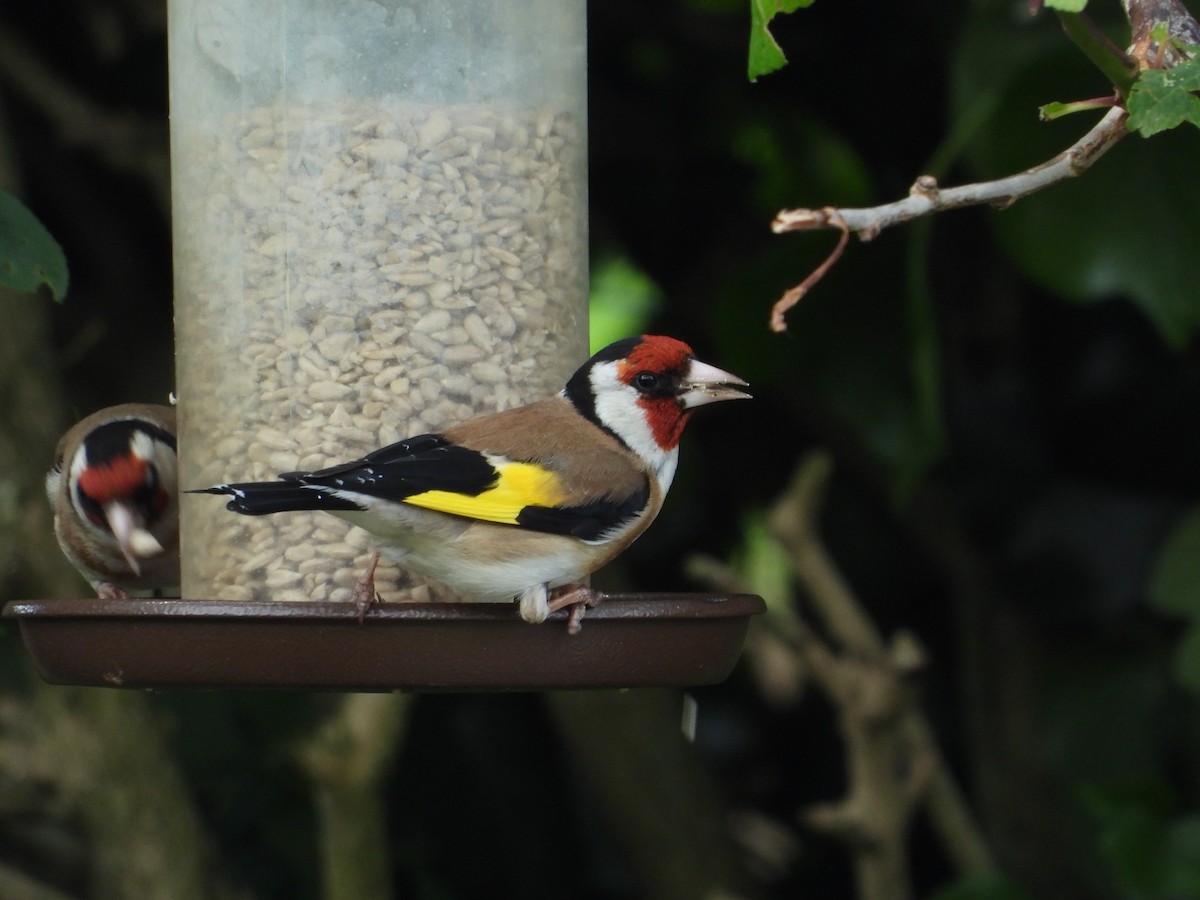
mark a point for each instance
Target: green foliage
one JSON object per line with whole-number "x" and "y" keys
{"x": 1175, "y": 588}
{"x": 621, "y": 302}
{"x": 1162, "y": 99}
{"x": 1057, "y": 109}
{"x": 1124, "y": 229}
{"x": 765, "y": 54}
{"x": 1154, "y": 855}
{"x": 765, "y": 565}
{"x": 29, "y": 255}
{"x": 1067, "y": 6}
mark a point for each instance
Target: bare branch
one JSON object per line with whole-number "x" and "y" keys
{"x": 796, "y": 294}
{"x": 925, "y": 197}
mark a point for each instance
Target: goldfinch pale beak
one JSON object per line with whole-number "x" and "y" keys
{"x": 136, "y": 542}
{"x": 704, "y": 384}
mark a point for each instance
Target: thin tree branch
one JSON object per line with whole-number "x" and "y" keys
{"x": 926, "y": 197}
{"x": 796, "y": 294}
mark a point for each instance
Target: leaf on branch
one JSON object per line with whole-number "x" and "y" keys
{"x": 1162, "y": 99}
{"x": 765, "y": 54}
{"x": 29, "y": 254}
{"x": 1067, "y": 6}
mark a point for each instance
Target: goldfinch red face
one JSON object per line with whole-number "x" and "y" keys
{"x": 122, "y": 481}
{"x": 644, "y": 390}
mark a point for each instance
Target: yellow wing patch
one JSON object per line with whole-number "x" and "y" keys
{"x": 517, "y": 485}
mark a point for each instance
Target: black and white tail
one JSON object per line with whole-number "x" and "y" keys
{"x": 261, "y": 498}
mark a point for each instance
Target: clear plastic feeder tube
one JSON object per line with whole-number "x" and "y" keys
{"x": 380, "y": 217}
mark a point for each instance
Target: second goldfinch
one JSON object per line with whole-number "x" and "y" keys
{"x": 115, "y": 500}
{"x": 522, "y": 504}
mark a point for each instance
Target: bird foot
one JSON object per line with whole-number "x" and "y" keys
{"x": 108, "y": 591}
{"x": 364, "y": 595}
{"x": 580, "y": 598}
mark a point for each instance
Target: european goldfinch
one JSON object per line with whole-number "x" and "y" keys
{"x": 514, "y": 504}
{"x": 115, "y": 500}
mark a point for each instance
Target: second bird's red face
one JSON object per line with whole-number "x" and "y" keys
{"x": 655, "y": 368}
{"x": 116, "y": 472}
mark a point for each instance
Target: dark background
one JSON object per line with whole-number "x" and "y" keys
{"x": 1048, "y": 452}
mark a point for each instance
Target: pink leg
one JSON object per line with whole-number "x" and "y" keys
{"x": 579, "y": 597}
{"x": 364, "y": 591}
{"x": 107, "y": 591}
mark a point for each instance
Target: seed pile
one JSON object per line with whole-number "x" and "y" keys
{"x": 350, "y": 277}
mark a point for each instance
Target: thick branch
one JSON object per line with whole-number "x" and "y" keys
{"x": 1180, "y": 26}
{"x": 893, "y": 755}
{"x": 1120, "y": 68}
{"x": 346, "y": 760}
{"x": 659, "y": 801}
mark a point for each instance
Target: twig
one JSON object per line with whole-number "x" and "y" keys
{"x": 796, "y": 294}
{"x": 926, "y": 197}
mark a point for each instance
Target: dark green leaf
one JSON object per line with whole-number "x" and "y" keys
{"x": 765, "y": 54}
{"x": 622, "y": 300}
{"x": 1153, "y": 854}
{"x": 29, "y": 255}
{"x": 1175, "y": 588}
{"x": 1161, "y": 99}
{"x": 1123, "y": 229}
{"x": 1175, "y": 581}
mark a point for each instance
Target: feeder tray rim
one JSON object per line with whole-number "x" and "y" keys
{"x": 636, "y": 606}
{"x": 628, "y": 640}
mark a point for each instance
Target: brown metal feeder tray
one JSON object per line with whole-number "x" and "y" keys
{"x": 628, "y": 640}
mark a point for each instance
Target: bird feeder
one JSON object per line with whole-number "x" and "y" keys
{"x": 380, "y": 228}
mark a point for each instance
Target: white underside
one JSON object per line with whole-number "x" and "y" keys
{"x": 480, "y": 561}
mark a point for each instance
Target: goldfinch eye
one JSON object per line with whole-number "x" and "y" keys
{"x": 645, "y": 381}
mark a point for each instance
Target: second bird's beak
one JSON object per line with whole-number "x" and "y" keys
{"x": 136, "y": 542}
{"x": 707, "y": 384}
